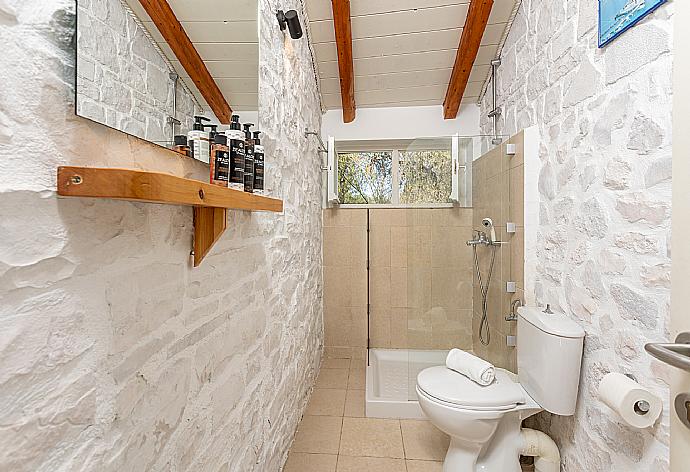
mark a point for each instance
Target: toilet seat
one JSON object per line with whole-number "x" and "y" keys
{"x": 453, "y": 388}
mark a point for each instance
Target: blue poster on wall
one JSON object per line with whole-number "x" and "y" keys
{"x": 616, "y": 16}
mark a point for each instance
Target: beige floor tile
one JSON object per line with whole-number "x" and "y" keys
{"x": 370, "y": 464}
{"x": 318, "y": 434}
{"x": 371, "y": 437}
{"x": 337, "y": 352}
{"x": 301, "y": 462}
{"x": 335, "y": 363}
{"x": 332, "y": 378}
{"x": 424, "y": 466}
{"x": 423, "y": 440}
{"x": 354, "y": 403}
{"x": 357, "y": 379}
{"x": 358, "y": 363}
{"x": 326, "y": 402}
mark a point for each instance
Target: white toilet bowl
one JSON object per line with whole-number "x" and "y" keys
{"x": 483, "y": 422}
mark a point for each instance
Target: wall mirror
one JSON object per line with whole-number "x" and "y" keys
{"x": 129, "y": 78}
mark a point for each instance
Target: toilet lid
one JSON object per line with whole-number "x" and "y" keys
{"x": 453, "y": 387}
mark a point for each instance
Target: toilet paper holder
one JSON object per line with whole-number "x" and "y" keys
{"x": 641, "y": 407}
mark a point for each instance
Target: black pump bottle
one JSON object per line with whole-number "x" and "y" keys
{"x": 248, "y": 158}
{"x": 258, "y": 163}
{"x": 236, "y": 145}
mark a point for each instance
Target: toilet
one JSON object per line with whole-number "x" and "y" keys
{"x": 484, "y": 423}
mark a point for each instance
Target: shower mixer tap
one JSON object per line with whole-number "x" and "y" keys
{"x": 512, "y": 316}
{"x": 479, "y": 238}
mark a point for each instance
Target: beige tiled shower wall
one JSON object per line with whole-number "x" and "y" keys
{"x": 498, "y": 193}
{"x": 420, "y": 279}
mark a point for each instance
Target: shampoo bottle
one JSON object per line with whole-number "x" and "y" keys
{"x": 198, "y": 140}
{"x": 236, "y": 145}
{"x": 211, "y": 138}
{"x": 248, "y": 159}
{"x": 220, "y": 164}
{"x": 258, "y": 163}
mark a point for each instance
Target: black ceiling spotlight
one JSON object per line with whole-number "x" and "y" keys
{"x": 291, "y": 20}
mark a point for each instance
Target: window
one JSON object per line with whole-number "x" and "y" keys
{"x": 409, "y": 172}
{"x": 425, "y": 176}
{"x": 365, "y": 177}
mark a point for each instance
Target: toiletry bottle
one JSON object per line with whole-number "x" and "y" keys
{"x": 180, "y": 145}
{"x": 198, "y": 140}
{"x": 220, "y": 164}
{"x": 211, "y": 137}
{"x": 236, "y": 145}
{"x": 248, "y": 158}
{"x": 258, "y": 163}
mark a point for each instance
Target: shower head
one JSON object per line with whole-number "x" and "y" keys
{"x": 488, "y": 223}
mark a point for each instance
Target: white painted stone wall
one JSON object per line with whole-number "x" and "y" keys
{"x": 122, "y": 79}
{"x": 603, "y": 250}
{"x": 116, "y": 354}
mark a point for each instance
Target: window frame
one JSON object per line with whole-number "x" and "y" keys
{"x": 395, "y": 147}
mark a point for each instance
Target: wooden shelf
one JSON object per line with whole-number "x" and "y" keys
{"x": 211, "y": 202}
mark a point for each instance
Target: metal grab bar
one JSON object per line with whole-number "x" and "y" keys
{"x": 675, "y": 354}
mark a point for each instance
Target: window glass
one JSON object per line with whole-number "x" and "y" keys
{"x": 365, "y": 177}
{"x": 425, "y": 176}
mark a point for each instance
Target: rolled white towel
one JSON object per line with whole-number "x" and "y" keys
{"x": 470, "y": 366}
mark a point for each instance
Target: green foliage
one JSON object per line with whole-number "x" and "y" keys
{"x": 365, "y": 177}
{"x": 425, "y": 177}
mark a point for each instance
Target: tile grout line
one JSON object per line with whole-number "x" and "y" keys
{"x": 402, "y": 439}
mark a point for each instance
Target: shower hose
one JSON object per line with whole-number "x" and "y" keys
{"x": 484, "y": 329}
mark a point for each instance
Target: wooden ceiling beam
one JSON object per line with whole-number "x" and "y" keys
{"x": 471, "y": 38}
{"x": 174, "y": 34}
{"x": 343, "y": 39}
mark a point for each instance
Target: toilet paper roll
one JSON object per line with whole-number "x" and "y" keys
{"x": 636, "y": 405}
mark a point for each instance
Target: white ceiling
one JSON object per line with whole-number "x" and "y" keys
{"x": 226, "y": 36}
{"x": 403, "y": 50}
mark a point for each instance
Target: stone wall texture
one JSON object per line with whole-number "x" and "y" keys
{"x": 603, "y": 252}
{"x": 116, "y": 354}
{"x": 122, "y": 79}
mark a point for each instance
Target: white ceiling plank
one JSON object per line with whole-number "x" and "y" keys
{"x": 500, "y": 12}
{"x": 205, "y": 10}
{"x": 410, "y": 21}
{"x": 391, "y": 81}
{"x": 401, "y": 80}
{"x": 239, "y": 85}
{"x": 387, "y": 24}
{"x": 222, "y": 52}
{"x": 402, "y": 63}
{"x": 394, "y": 63}
{"x": 226, "y": 69}
{"x": 321, "y": 9}
{"x": 214, "y": 31}
{"x": 407, "y": 62}
{"x": 246, "y": 101}
{"x": 405, "y": 43}
{"x": 428, "y": 92}
{"x": 333, "y": 102}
